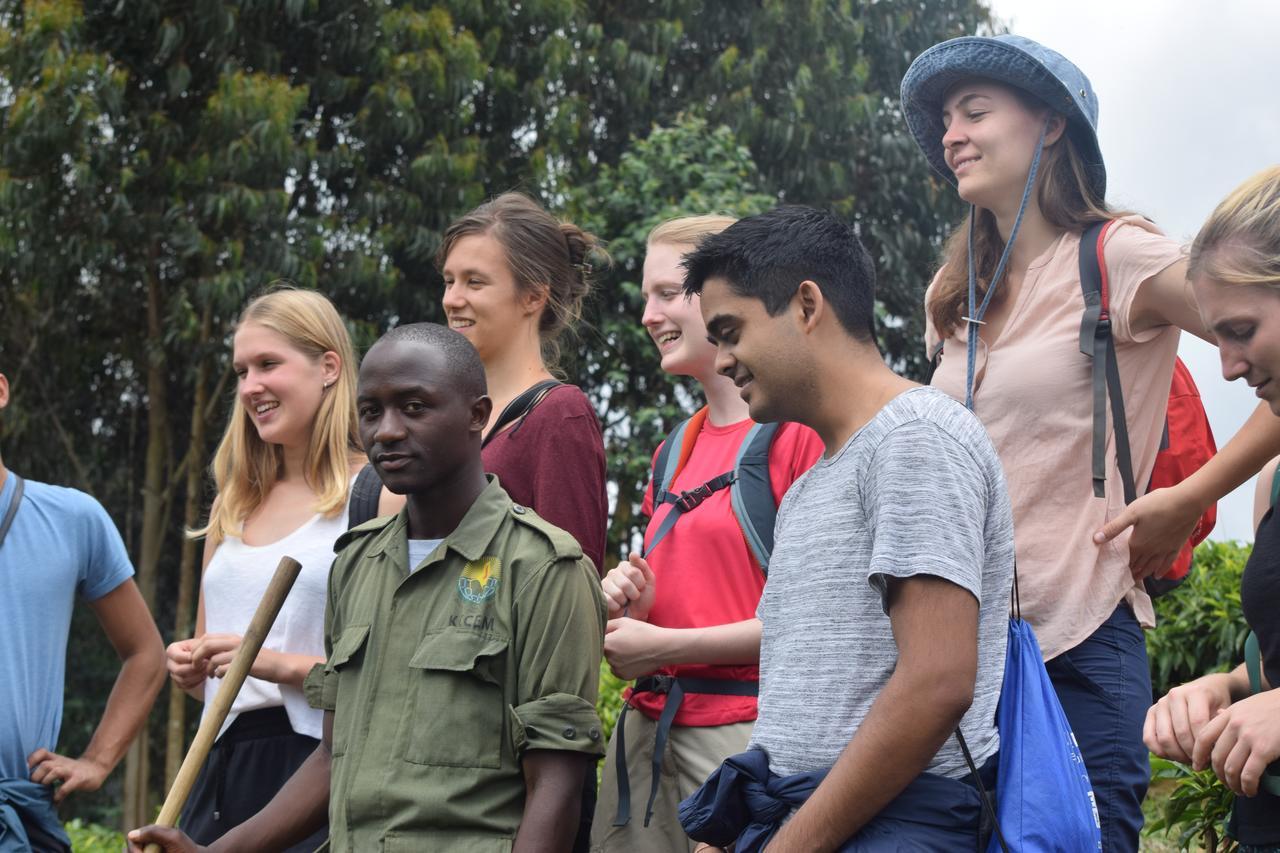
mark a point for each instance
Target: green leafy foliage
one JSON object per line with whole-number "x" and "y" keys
{"x": 1195, "y": 813}
{"x": 1199, "y": 626}
{"x": 93, "y": 838}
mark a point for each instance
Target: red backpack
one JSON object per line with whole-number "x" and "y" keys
{"x": 1187, "y": 442}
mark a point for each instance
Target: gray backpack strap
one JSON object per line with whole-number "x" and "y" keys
{"x": 365, "y": 493}
{"x": 752, "y": 492}
{"x": 13, "y": 506}
{"x": 1096, "y": 341}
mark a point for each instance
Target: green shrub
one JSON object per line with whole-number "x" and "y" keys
{"x": 92, "y": 838}
{"x": 1196, "y": 810}
{"x": 1199, "y": 626}
{"x": 1199, "y": 629}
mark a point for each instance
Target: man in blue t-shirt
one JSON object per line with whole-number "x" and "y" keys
{"x": 57, "y": 543}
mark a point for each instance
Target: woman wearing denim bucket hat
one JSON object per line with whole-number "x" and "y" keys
{"x": 1013, "y": 126}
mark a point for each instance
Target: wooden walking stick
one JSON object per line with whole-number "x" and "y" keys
{"x": 263, "y": 618}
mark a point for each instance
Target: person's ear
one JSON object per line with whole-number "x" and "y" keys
{"x": 534, "y": 299}
{"x": 809, "y": 305}
{"x": 481, "y": 409}
{"x": 4, "y": 390}
{"x": 1057, "y": 127}
{"x": 330, "y": 367}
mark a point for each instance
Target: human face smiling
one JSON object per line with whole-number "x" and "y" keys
{"x": 279, "y": 386}
{"x": 990, "y": 141}
{"x": 758, "y": 352}
{"x": 673, "y": 319}
{"x": 417, "y": 427}
{"x": 481, "y": 298}
{"x": 1245, "y": 318}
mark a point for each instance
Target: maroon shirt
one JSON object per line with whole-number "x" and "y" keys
{"x": 553, "y": 461}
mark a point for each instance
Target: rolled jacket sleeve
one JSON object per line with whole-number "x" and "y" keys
{"x": 560, "y": 643}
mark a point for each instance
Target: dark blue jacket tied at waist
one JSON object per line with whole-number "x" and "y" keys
{"x": 28, "y": 820}
{"x": 743, "y": 804}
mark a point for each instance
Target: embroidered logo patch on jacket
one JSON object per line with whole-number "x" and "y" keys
{"x": 479, "y": 579}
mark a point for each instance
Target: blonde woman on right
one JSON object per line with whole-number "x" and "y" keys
{"x": 683, "y": 614}
{"x": 1231, "y": 721}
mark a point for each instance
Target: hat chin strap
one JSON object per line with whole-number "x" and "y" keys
{"x": 977, "y": 312}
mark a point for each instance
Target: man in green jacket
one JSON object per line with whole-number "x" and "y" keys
{"x": 463, "y": 636}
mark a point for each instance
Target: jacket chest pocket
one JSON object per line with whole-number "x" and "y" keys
{"x": 456, "y": 713}
{"x": 341, "y": 669}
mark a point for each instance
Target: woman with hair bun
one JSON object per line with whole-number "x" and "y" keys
{"x": 515, "y": 278}
{"x": 284, "y": 471}
{"x": 514, "y": 281}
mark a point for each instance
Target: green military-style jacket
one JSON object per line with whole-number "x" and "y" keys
{"x": 440, "y": 680}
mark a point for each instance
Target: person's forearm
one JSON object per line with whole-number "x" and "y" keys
{"x": 1242, "y": 457}
{"x": 552, "y": 806}
{"x": 290, "y": 669}
{"x": 141, "y": 676}
{"x": 735, "y": 643}
{"x": 297, "y": 810}
{"x": 1238, "y": 683}
{"x": 906, "y": 725}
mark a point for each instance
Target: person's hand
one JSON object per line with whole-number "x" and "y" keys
{"x": 65, "y": 774}
{"x": 170, "y": 840}
{"x": 629, "y": 588}
{"x": 1162, "y": 521}
{"x": 1174, "y": 722}
{"x": 181, "y": 668}
{"x": 214, "y": 652}
{"x": 1241, "y": 741}
{"x": 632, "y": 648}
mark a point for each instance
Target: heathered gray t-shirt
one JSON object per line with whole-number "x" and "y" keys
{"x": 917, "y": 491}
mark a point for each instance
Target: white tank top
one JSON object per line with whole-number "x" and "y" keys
{"x": 235, "y": 581}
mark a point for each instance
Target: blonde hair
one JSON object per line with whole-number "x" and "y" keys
{"x": 1240, "y": 241}
{"x": 1066, "y": 200}
{"x": 245, "y": 467}
{"x": 687, "y": 230}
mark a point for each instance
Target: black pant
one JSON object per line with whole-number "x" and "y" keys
{"x": 252, "y": 760}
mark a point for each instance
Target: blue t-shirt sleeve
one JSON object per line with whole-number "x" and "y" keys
{"x": 105, "y": 564}
{"x": 926, "y": 502}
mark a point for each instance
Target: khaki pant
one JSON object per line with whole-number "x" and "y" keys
{"x": 693, "y": 753}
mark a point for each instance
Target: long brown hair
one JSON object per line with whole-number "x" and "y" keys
{"x": 545, "y": 255}
{"x": 1066, "y": 201}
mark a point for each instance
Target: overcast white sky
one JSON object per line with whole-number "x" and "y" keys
{"x": 1188, "y": 108}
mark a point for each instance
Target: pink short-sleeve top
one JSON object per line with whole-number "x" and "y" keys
{"x": 1032, "y": 391}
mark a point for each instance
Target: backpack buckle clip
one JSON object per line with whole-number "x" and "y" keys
{"x": 693, "y": 497}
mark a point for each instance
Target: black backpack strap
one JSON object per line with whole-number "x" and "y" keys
{"x": 519, "y": 407}
{"x": 987, "y": 805}
{"x": 13, "y": 507}
{"x": 1097, "y": 342}
{"x": 365, "y": 493}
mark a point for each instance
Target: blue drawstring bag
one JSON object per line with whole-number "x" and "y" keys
{"x": 1044, "y": 800}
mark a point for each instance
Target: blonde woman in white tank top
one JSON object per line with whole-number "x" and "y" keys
{"x": 284, "y": 471}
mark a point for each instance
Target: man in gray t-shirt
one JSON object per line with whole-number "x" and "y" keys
{"x": 885, "y": 615}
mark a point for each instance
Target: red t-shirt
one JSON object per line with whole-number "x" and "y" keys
{"x": 704, "y": 571}
{"x": 553, "y": 461}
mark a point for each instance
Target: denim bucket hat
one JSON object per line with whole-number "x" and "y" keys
{"x": 1015, "y": 61}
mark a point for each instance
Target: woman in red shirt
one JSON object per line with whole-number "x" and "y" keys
{"x": 687, "y": 609}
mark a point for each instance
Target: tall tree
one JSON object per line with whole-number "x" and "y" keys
{"x": 160, "y": 162}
